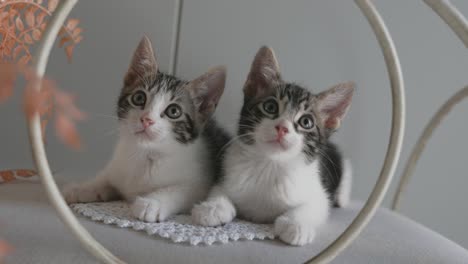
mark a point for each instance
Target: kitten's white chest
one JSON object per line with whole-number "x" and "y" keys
{"x": 260, "y": 195}
{"x": 139, "y": 176}
{"x": 264, "y": 189}
{"x": 149, "y": 172}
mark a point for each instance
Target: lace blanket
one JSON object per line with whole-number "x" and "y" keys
{"x": 178, "y": 228}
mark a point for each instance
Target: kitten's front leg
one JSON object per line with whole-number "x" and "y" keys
{"x": 95, "y": 190}
{"x": 157, "y": 206}
{"x": 218, "y": 209}
{"x": 298, "y": 226}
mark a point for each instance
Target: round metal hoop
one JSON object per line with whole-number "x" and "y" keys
{"x": 375, "y": 199}
{"x": 38, "y": 150}
{"x": 396, "y": 137}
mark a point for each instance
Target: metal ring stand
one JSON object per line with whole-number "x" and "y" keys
{"x": 359, "y": 223}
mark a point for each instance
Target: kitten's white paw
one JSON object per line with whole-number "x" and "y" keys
{"x": 213, "y": 213}
{"x": 148, "y": 210}
{"x": 82, "y": 193}
{"x": 293, "y": 232}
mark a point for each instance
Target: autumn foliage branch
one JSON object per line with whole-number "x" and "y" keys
{"x": 22, "y": 23}
{"x": 5, "y": 249}
{"x": 49, "y": 102}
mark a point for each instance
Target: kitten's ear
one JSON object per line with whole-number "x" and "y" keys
{"x": 264, "y": 73}
{"x": 142, "y": 64}
{"x": 333, "y": 104}
{"x": 206, "y": 91}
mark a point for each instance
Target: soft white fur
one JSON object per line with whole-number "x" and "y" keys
{"x": 268, "y": 182}
{"x": 344, "y": 189}
{"x": 157, "y": 174}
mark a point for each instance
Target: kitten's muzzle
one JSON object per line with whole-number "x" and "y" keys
{"x": 281, "y": 131}
{"x": 146, "y": 121}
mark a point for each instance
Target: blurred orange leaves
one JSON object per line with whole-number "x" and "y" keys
{"x": 5, "y": 249}
{"x": 22, "y": 23}
{"x": 49, "y": 102}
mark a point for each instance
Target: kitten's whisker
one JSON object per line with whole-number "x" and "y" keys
{"x": 113, "y": 131}
{"x": 230, "y": 142}
{"x": 323, "y": 154}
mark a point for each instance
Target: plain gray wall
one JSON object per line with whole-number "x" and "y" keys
{"x": 318, "y": 43}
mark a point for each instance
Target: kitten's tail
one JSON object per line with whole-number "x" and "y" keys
{"x": 344, "y": 189}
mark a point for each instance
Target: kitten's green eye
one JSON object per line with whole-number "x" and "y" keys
{"x": 306, "y": 122}
{"x": 139, "y": 98}
{"x": 270, "y": 106}
{"x": 173, "y": 111}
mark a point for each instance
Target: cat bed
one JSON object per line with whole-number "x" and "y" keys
{"x": 31, "y": 225}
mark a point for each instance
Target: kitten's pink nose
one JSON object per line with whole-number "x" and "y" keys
{"x": 146, "y": 121}
{"x": 281, "y": 130}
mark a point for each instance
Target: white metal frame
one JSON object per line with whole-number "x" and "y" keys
{"x": 393, "y": 151}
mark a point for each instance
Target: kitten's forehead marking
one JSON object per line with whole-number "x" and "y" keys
{"x": 166, "y": 83}
{"x": 294, "y": 99}
{"x": 159, "y": 102}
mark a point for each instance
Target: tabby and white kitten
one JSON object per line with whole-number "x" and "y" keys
{"x": 281, "y": 167}
{"x": 162, "y": 161}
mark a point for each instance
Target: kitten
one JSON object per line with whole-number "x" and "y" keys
{"x": 281, "y": 167}
{"x": 162, "y": 161}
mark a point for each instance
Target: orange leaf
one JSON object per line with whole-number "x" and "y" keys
{"x": 36, "y": 101}
{"x": 25, "y": 173}
{"x": 43, "y": 26}
{"x": 7, "y": 176}
{"x": 28, "y": 39}
{"x": 78, "y": 39}
{"x": 17, "y": 51}
{"x": 19, "y": 24}
{"x": 7, "y": 80}
{"x": 52, "y": 5}
{"x": 62, "y": 31}
{"x": 10, "y": 43}
{"x": 5, "y": 92}
{"x": 77, "y": 32}
{"x": 5, "y": 23}
{"x": 45, "y": 110}
{"x": 63, "y": 41}
{"x": 72, "y": 23}
{"x": 30, "y": 102}
{"x": 69, "y": 52}
{"x": 30, "y": 18}
{"x": 66, "y": 131}
{"x": 49, "y": 106}
{"x": 5, "y": 249}
{"x": 40, "y": 18}
{"x": 24, "y": 60}
{"x": 3, "y": 15}
{"x": 20, "y": 5}
{"x": 36, "y": 34}
{"x": 7, "y": 50}
{"x": 67, "y": 104}
{"x": 12, "y": 12}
